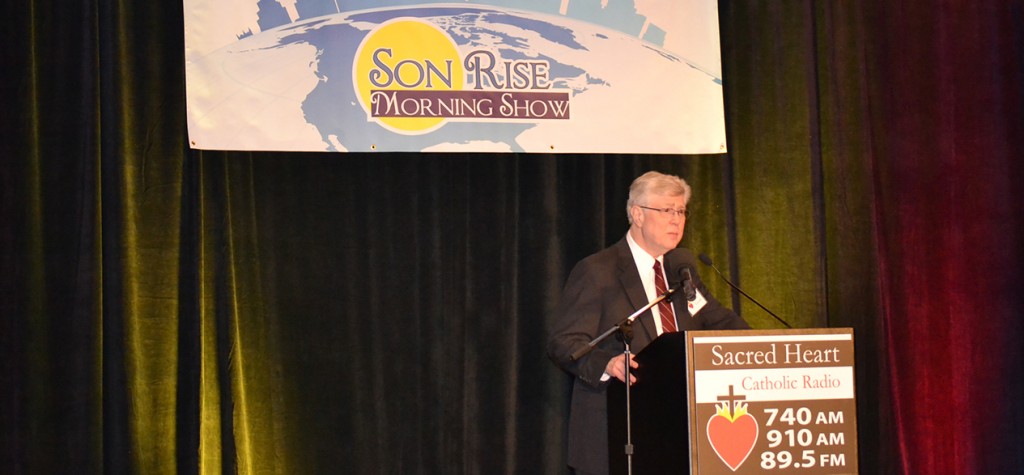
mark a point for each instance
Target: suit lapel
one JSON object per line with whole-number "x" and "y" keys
{"x": 629, "y": 276}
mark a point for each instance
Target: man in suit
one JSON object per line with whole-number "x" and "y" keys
{"x": 610, "y": 285}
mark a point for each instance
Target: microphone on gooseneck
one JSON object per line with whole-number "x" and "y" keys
{"x": 681, "y": 278}
{"x": 707, "y": 261}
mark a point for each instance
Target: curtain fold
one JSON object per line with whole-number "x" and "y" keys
{"x": 949, "y": 226}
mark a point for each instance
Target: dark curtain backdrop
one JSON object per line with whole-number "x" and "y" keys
{"x": 166, "y": 310}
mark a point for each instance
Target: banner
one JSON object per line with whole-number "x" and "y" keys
{"x": 557, "y": 76}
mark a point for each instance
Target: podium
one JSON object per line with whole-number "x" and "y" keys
{"x": 659, "y": 411}
{"x": 739, "y": 402}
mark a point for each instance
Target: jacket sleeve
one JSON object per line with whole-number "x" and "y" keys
{"x": 577, "y": 322}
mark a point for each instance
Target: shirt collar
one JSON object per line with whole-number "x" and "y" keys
{"x": 643, "y": 260}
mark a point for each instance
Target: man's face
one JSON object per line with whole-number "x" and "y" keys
{"x": 658, "y": 232}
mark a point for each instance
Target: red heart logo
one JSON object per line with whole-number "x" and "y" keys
{"x": 732, "y": 440}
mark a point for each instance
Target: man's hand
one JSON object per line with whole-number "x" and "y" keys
{"x": 617, "y": 369}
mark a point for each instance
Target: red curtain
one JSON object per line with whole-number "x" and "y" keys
{"x": 947, "y": 113}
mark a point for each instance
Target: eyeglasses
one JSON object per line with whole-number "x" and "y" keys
{"x": 669, "y": 212}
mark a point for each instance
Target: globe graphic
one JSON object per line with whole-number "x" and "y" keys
{"x": 291, "y": 88}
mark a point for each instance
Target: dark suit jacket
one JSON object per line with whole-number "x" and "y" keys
{"x": 602, "y": 290}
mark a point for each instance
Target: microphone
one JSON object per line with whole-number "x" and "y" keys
{"x": 682, "y": 279}
{"x": 688, "y": 290}
{"x": 707, "y": 261}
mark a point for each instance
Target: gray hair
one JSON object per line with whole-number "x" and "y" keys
{"x": 654, "y": 183}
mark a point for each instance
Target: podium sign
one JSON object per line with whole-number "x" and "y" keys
{"x": 772, "y": 401}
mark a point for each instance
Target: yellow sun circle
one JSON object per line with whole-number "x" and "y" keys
{"x": 406, "y": 54}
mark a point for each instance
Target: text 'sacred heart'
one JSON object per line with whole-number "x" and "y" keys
{"x": 732, "y": 440}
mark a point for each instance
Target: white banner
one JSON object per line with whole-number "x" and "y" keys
{"x": 557, "y": 76}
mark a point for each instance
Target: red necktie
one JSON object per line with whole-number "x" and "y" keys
{"x": 668, "y": 317}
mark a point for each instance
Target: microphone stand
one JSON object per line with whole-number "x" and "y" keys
{"x": 625, "y": 334}
{"x": 628, "y": 320}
